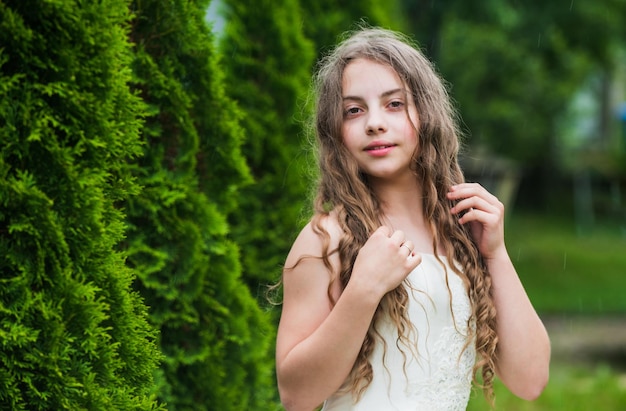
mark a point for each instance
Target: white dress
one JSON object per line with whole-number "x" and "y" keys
{"x": 438, "y": 375}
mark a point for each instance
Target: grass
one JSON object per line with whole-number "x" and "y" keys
{"x": 570, "y": 389}
{"x": 565, "y": 271}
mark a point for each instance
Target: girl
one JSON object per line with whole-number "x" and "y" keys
{"x": 400, "y": 288}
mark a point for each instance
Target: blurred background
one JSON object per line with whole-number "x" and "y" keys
{"x": 217, "y": 180}
{"x": 541, "y": 90}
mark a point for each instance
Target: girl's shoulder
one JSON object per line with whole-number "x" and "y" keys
{"x": 321, "y": 234}
{"x": 329, "y": 224}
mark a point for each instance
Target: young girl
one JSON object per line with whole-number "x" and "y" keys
{"x": 400, "y": 288}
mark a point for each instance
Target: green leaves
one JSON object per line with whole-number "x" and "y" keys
{"x": 514, "y": 68}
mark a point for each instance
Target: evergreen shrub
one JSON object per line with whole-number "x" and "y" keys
{"x": 73, "y": 333}
{"x": 215, "y": 338}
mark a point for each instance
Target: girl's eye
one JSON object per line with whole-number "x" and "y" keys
{"x": 396, "y": 104}
{"x": 350, "y": 111}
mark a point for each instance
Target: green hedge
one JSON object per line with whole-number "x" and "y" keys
{"x": 73, "y": 334}
{"x": 268, "y": 64}
{"x": 216, "y": 340}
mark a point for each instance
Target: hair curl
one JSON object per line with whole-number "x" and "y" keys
{"x": 343, "y": 188}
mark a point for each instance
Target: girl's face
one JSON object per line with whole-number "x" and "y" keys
{"x": 376, "y": 129}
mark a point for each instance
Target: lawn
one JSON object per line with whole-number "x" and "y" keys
{"x": 565, "y": 271}
{"x": 570, "y": 389}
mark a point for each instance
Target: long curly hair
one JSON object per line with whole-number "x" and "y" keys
{"x": 343, "y": 188}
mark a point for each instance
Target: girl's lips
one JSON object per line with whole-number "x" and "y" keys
{"x": 379, "y": 150}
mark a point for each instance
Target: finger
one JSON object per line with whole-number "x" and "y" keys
{"x": 473, "y": 202}
{"x": 413, "y": 260}
{"x": 468, "y": 190}
{"x": 384, "y": 230}
{"x": 408, "y": 246}
{"x": 471, "y": 189}
{"x": 481, "y": 216}
{"x": 467, "y": 187}
{"x": 398, "y": 237}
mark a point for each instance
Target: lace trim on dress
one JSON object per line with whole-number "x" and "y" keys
{"x": 452, "y": 377}
{"x": 448, "y": 386}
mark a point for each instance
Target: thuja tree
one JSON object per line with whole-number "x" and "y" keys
{"x": 327, "y": 20}
{"x": 268, "y": 62}
{"x": 215, "y": 338}
{"x": 73, "y": 334}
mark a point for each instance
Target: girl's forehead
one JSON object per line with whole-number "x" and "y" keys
{"x": 362, "y": 75}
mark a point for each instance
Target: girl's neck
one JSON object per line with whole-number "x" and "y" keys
{"x": 400, "y": 198}
{"x": 402, "y": 208}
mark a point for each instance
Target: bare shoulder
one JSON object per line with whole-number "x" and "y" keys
{"x": 306, "y": 282}
{"x": 321, "y": 232}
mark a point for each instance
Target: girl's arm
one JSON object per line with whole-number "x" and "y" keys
{"x": 317, "y": 344}
{"x": 523, "y": 355}
{"x": 524, "y": 347}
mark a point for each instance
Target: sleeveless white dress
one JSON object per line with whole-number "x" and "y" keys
{"x": 437, "y": 376}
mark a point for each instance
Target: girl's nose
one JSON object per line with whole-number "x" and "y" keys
{"x": 375, "y": 123}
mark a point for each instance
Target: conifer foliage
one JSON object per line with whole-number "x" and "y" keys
{"x": 215, "y": 338}
{"x": 73, "y": 334}
{"x": 327, "y": 20}
{"x": 268, "y": 62}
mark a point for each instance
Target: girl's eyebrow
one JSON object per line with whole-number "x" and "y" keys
{"x": 383, "y": 95}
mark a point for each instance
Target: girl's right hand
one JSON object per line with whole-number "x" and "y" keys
{"x": 384, "y": 261}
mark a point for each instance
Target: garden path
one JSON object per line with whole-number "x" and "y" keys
{"x": 588, "y": 339}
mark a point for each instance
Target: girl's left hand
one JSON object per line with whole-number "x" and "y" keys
{"x": 485, "y": 215}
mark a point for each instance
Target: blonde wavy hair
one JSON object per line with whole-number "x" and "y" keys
{"x": 344, "y": 189}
